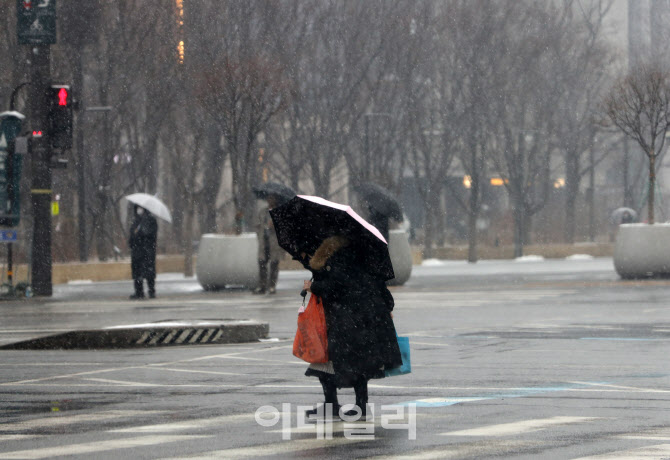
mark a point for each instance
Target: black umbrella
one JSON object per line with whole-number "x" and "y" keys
{"x": 380, "y": 199}
{"x": 305, "y": 221}
{"x": 282, "y": 192}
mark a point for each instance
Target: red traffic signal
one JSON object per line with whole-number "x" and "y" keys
{"x": 63, "y": 94}
{"x": 59, "y": 131}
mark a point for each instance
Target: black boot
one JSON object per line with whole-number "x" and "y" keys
{"x": 139, "y": 289}
{"x": 262, "y": 277}
{"x": 361, "y": 389}
{"x": 330, "y": 394}
{"x": 274, "y": 274}
{"x": 151, "y": 284}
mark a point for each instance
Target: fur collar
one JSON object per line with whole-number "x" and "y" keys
{"x": 328, "y": 247}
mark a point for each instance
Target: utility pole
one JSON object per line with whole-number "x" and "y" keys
{"x": 40, "y": 190}
{"x": 36, "y": 28}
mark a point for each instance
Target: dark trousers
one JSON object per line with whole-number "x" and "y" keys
{"x": 330, "y": 391}
{"x": 266, "y": 283}
{"x": 139, "y": 286}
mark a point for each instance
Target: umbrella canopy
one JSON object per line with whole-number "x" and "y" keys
{"x": 381, "y": 200}
{"x": 282, "y": 192}
{"x": 151, "y": 204}
{"x": 305, "y": 221}
{"x": 618, "y": 214}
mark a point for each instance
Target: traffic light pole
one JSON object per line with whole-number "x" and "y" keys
{"x": 40, "y": 76}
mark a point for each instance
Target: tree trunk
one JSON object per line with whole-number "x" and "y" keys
{"x": 572, "y": 180}
{"x": 627, "y": 188}
{"x": 652, "y": 183}
{"x": 211, "y": 182}
{"x": 473, "y": 215}
{"x": 188, "y": 242}
{"x": 429, "y": 229}
{"x": 519, "y": 222}
{"x": 591, "y": 196}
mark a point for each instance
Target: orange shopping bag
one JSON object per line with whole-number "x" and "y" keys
{"x": 311, "y": 339}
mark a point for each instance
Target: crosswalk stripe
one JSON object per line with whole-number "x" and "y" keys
{"x": 60, "y": 420}
{"x": 524, "y": 426}
{"x": 655, "y": 452}
{"x": 282, "y": 448}
{"x": 99, "y": 446}
{"x": 185, "y": 425}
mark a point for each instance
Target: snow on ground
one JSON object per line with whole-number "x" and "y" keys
{"x": 579, "y": 257}
{"x": 529, "y": 258}
{"x": 432, "y": 263}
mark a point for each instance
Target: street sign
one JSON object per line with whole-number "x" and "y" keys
{"x": 8, "y": 236}
{"x": 10, "y": 169}
{"x": 36, "y": 22}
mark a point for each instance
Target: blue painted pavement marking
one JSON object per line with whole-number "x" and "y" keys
{"x": 516, "y": 393}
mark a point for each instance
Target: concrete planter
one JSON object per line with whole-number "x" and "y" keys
{"x": 401, "y": 257}
{"x": 227, "y": 260}
{"x": 642, "y": 251}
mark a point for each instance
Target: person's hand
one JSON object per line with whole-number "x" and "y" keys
{"x": 307, "y": 285}
{"x": 391, "y": 315}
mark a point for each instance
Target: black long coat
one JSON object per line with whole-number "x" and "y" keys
{"x": 143, "y": 233}
{"x": 361, "y": 335}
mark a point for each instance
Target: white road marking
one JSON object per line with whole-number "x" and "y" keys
{"x": 186, "y": 424}
{"x": 622, "y": 387}
{"x": 273, "y": 449}
{"x": 57, "y": 420}
{"x": 191, "y": 371}
{"x": 662, "y": 434}
{"x": 524, "y": 426}
{"x": 65, "y": 376}
{"x": 99, "y": 446}
{"x": 165, "y": 385}
{"x": 17, "y": 437}
{"x": 655, "y": 452}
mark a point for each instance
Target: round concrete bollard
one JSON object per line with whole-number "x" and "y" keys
{"x": 642, "y": 250}
{"x": 228, "y": 260}
{"x": 401, "y": 257}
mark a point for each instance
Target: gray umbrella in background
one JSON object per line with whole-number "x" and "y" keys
{"x": 380, "y": 199}
{"x": 618, "y": 215}
{"x": 282, "y": 192}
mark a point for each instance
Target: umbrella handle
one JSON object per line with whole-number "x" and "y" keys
{"x": 303, "y": 293}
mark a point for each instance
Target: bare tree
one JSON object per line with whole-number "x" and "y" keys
{"x": 432, "y": 113}
{"x": 639, "y": 106}
{"x": 582, "y": 75}
{"x": 523, "y": 110}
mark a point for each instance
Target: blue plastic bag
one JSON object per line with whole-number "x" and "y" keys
{"x": 406, "y": 367}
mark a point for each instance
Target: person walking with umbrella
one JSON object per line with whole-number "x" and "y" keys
{"x": 350, "y": 264}
{"x": 143, "y": 232}
{"x": 142, "y": 241}
{"x": 381, "y": 206}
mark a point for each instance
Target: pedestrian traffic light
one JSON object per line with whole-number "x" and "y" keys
{"x": 60, "y": 117}
{"x": 10, "y": 167}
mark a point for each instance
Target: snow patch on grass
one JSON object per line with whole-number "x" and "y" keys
{"x": 432, "y": 263}
{"x": 529, "y": 258}
{"x": 580, "y": 257}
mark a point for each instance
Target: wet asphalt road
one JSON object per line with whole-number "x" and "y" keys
{"x": 554, "y": 359}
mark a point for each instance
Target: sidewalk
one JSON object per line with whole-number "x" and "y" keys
{"x": 86, "y": 306}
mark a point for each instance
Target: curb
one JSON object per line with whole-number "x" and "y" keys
{"x": 162, "y": 333}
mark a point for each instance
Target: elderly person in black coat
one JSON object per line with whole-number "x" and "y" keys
{"x": 361, "y": 336}
{"x": 142, "y": 243}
